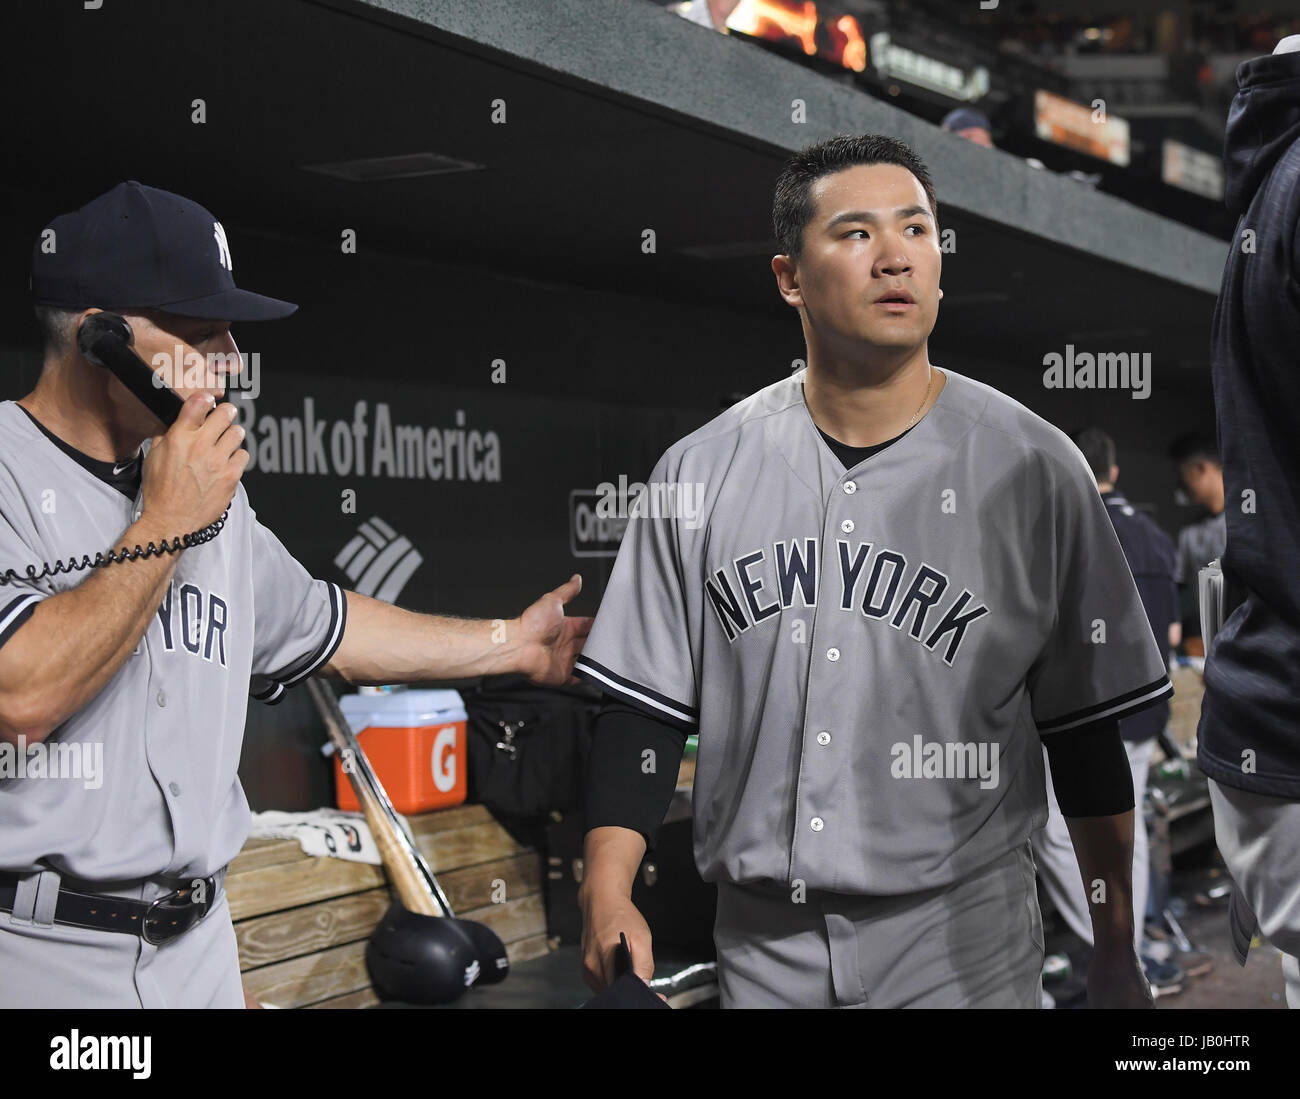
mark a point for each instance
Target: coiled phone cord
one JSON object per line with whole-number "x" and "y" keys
{"x": 101, "y": 560}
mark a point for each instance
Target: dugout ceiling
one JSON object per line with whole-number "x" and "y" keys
{"x": 620, "y": 117}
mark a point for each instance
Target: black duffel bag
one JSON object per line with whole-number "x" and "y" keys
{"x": 528, "y": 745}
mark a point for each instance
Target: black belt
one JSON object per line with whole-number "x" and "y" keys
{"x": 157, "y": 922}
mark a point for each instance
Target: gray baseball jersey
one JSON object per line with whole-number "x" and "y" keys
{"x": 1200, "y": 543}
{"x": 870, "y": 655}
{"x": 163, "y": 737}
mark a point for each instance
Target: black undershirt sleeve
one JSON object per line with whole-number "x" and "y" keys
{"x": 1090, "y": 770}
{"x": 619, "y": 790}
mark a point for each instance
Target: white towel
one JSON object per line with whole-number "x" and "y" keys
{"x": 321, "y": 832}
{"x": 1210, "y": 593}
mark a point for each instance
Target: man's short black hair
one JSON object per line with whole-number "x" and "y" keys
{"x": 792, "y": 206}
{"x": 1098, "y": 448}
{"x": 1195, "y": 446}
{"x": 55, "y": 323}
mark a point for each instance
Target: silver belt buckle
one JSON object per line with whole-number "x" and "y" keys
{"x": 189, "y": 911}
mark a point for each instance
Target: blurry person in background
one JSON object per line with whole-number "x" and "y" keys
{"x": 968, "y": 123}
{"x": 1200, "y": 473}
{"x": 1149, "y": 552}
{"x": 707, "y": 13}
{"x": 974, "y": 126}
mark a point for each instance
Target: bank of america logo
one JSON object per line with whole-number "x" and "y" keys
{"x": 379, "y": 561}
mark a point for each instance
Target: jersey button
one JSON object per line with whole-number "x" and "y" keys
{"x": 847, "y": 526}
{"x": 175, "y": 788}
{"x": 162, "y": 698}
{"x": 823, "y": 738}
{"x": 832, "y": 654}
{"x": 817, "y": 824}
{"x": 850, "y": 487}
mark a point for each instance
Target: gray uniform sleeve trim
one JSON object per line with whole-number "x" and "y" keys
{"x": 15, "y": 612}
{"x": 1122, "y": 706}
{"x": 270, "y": 694}
{"x": 635, "y": 694}
{"x": 273, "y": 692}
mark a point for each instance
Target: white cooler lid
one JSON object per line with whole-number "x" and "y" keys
{"x": 402, "y": 708}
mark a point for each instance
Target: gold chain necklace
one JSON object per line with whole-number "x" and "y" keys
{"x": 928, "y": 384}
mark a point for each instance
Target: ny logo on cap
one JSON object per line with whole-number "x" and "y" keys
{"x": 223, "y": 247}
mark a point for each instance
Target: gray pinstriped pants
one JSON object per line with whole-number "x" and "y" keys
{"x": 978, "y": 943}
{"x": 47, "y": 965}
{"x": 1259, "y": 838}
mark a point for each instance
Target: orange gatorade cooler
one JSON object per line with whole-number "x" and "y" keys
{"x": 415, "y": 741}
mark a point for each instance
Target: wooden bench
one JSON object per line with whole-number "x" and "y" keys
{"x": 1185, "y": 706}
{"x": 302, "y": 922}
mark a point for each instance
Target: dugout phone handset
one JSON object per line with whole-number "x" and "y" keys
{"x": 105, "y": 340}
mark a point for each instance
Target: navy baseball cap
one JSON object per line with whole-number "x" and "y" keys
{"x": 136, "y": 247}
{"x": 966, "y": 118}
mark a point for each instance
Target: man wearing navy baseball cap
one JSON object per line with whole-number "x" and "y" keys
{"x": 107, "y": 878}
{"x": 124, "y": 688}
{"x": 163, "y": 262}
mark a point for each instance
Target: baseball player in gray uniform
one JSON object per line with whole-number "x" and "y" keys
{"x": 875, "y": 589}
{"x": 124, "y": 689}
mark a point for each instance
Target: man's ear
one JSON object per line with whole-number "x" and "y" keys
{"x": 787, "y": 278}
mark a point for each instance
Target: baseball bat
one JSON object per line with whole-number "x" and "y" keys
{"x": 413, "y": 879}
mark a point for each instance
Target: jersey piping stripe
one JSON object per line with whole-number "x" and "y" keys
{"x": 16, "y": 612}
{"x": 269, "y": 694}
{"x": 334, "y": 635}
{"x": 586, "y": 668}
{"x": 333, "y": 638}
{"x": 1122, "y": 706}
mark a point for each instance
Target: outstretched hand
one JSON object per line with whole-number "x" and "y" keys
{"x": 552, "y": 639}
